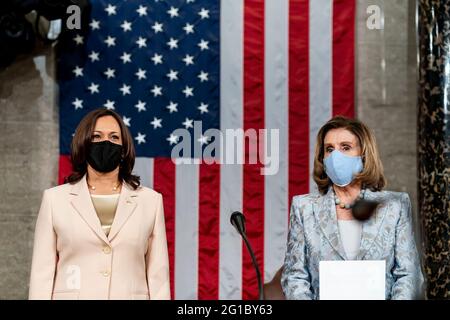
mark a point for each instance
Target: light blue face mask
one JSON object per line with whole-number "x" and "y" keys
{"x": 341, "y": 168}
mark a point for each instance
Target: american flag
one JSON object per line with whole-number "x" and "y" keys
{"x": 249, "y": 64}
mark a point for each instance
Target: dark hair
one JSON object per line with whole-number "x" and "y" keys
{"x": 81, "y": 143}
{"x": 372, "y": 176}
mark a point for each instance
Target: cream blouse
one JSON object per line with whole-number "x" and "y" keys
{"x": 105, "y": 206}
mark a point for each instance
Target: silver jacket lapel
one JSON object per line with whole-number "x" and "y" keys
{"x": 325, "y": 212}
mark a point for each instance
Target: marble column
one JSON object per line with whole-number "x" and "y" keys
{"x": 434, "y": 143}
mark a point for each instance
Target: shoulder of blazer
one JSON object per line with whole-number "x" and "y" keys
{"x": 396, "y": 194}
{"x": 389, "y": 196}
{"x": 305, "y": 199}
{"x": 63, "y": 188}
{"x": 148, "y": 192}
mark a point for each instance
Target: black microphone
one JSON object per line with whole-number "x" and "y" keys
{"x": 237, "y": 219}
{"x": 364, "y": 209}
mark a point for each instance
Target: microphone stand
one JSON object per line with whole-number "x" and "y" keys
{"x": 237, "y": 219}
{"x": 255, "y": 264}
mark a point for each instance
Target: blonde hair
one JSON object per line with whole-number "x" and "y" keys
{"x": 372, "y": 176}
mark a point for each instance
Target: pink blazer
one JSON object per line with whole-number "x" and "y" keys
{"x": 74, "y": 259}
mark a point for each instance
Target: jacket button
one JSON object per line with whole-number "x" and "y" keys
{"x": 105, "y": 273}
{"x": 106, "y": 250}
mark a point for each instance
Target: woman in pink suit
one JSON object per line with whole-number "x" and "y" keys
{"x": 101, "y": 235}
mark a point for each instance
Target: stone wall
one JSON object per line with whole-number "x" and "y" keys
{"x": 28, "y": 161}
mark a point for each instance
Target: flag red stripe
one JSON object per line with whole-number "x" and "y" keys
{"x": 253, "y": 181}
{"x": 298, "y": 97}
{"x": 65, "y": 168}
{"x": 209, "y": 232}
{"x": 164, "y": 182}
{"x": 344, "y": 57}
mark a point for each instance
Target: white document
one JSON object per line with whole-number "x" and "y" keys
{"x": 352, "y": 280}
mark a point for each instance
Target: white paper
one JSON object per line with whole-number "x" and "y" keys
{"x": 352, "y": 280}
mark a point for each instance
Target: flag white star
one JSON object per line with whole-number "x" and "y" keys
{"x": 157, "y": 59}
{"x": 173, "y": 43}
{"x": 127, "y": 121}
{"x": 203, "y": 139}
{"x": 156, "y": 123}
{"x": 93, "y": 88}
{"x": 140, "y": 106}
{"x": 188, "y": 28}
{"x": 110, "y": 73}
{"x": 110, "y": 9}
{"x": 126, "y": 57}
{"x": 142, "y": 11}
{"x": 126, "y": 26}
{"x": 141, "y": 42}
{"x": 172, "y": 107}
{"x": 157, "y": 27}
{"x": 203, "y": 107}
{"x": 172, "y": 75}
{"x": 189, "y": 1}
{"x": 188, "y": 59}
{"x": 78, "y": 71}
{"x": 173, "y": 12}
{"x": 78, "y": 39}
{"x": 203, "y": 76}
{"x": 188, "y": 91}
{"x": 157, "y": 91}
{"x": 188, "y": 123}
{"x": 204, "y": 14}
{"x": 140, "y": 138}
{"x": 110, "y": 41}
{"x": 203, "y": 45}
{"x": 125, "y": 89}
{"x": 173, "y": 139}
{"x": 95, "y": 24}
{"x": 78, "y": 104}
{"x": 93, "y": 56}
{"x": 109, "y": 105}
{"x": 141, "y": 74}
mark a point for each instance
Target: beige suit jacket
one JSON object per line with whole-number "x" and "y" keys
{"x": 74, "y": 259}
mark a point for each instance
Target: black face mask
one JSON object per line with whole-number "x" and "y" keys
{"x": 104, "y": 156}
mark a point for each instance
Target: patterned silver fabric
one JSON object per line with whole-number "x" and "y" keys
{"x": 387, "y": 235}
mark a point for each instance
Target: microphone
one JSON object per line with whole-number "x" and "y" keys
{"x": 364, "y": 209}
{"x": 237, "y": 219}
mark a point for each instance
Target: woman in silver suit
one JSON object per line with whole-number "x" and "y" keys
{"x": 324, "y": 224}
